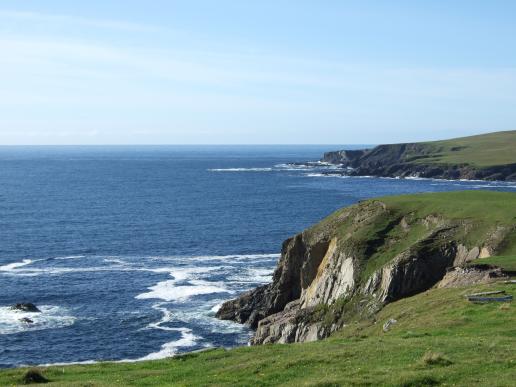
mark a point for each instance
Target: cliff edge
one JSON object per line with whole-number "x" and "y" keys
{"x": 348, "y": 266}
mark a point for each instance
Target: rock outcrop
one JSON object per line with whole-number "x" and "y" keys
{"x": 26, "y": 307}
{"x": 357, "y": 260}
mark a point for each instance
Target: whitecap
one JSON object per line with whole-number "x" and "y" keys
{"x": 70, "y": 257}
{"x": 14, "y": 265}
{"x": 216, "y": 308}
{"x": 171, "y": 291}
{"x": 50, "y": 317}
{"x": 188, "y": 339}
{"x": 240, "y": 169}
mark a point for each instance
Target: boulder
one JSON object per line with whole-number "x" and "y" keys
{"x": 26, "y": 307}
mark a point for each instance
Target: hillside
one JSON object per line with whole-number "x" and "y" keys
{"x": 489, "y": 156}
{"x": 439, "y": 339}
{"x": 367, "y": 255}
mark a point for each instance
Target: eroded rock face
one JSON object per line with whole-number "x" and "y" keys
{"x": 325, "y": 266}
{"x": 335, "y": 277}
{"x": 414, "y": 270}
{"x": 463, "y": 276}
{"x": 296, "y": 268}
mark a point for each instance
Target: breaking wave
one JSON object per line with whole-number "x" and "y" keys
{"x": 12, "y": 321}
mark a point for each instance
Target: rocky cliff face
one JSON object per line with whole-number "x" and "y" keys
{"x": 352, "y": 263}
{"x": 412, "y": 159}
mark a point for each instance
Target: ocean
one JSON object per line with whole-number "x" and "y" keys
{"x": 128, "y": 251}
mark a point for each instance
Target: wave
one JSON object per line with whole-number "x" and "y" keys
{"x": 167, "y": 317}
{"x": 253, "y": 275}
{"x": 125, "y": 265}
{"x": 240, "y": 169}
{"x": 14, "y": 265}
{"x": 236, "y": 257}
{"x": 50, "y": 317}
{"x": 70, "y": 257}
{"x": 327, "y": 175}
{"x": 188, "y": 339}
{"x": 215, "y": 309}
{"x": 170, "y": 291}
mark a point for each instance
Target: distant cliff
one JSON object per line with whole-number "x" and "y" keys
{"x": 490, "y": 156}
{"x": 352, "y": 263}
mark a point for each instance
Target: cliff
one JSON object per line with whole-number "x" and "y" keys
{"x": 351, "y": 264}
{"x": 490, "y": 156}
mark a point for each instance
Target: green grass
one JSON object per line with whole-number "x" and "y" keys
{"x": 482, "y": 151}
{"x": 440, "y": 339}
{"x": 483, "y": 211}
{"x": 484, "y": 206}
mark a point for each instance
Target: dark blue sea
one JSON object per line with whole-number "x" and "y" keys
{"x": 128, "y": 251}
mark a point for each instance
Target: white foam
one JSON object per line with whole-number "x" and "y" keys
{"x": 188, "y": 339}
{"x": 240, "y": 169}
{"x": 170, "y": 291}
{"x": 234, "y": 257}
{"x": 14, "y": 265}
{"x": 203, "y": 316}
{"x": 327, "y": 175}
{"x": 85, "y": 362}
{"x": 260, "y": 275}
{"x": 64, "y": 270}
{"x": 216, "y": 308}
{"x": 167, "y": 317}
{"x": 50, "y": 317}
{"x": 70, "y": 257}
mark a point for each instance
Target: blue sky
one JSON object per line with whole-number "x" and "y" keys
{"x": 261, "y": 72}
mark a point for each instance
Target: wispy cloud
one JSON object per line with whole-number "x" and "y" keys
{"x": 71, "y": 20}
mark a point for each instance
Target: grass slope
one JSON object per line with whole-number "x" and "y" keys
{"x": 485, "y": 150}
{"x": 484, "y": 211}
{"x": 440, "y": 339}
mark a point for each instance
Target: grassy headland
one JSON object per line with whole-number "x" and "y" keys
{"x": 488, "y": 156}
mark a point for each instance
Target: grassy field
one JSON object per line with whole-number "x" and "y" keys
{"x": 439, "y": 339}
{"x": 482, "y": 151}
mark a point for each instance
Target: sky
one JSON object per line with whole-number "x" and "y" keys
{"x": 255, "y": 72}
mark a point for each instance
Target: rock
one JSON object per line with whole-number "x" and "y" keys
{"x": 347, "y": 158}
{"x": 26, "y": 307}
{"x": 388, "y": 324}
{"x": 295, "y": 269}
{"x": 34, "y": 376}
{"x": 27, "y": 320}
{"x": 464, "y": 276}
